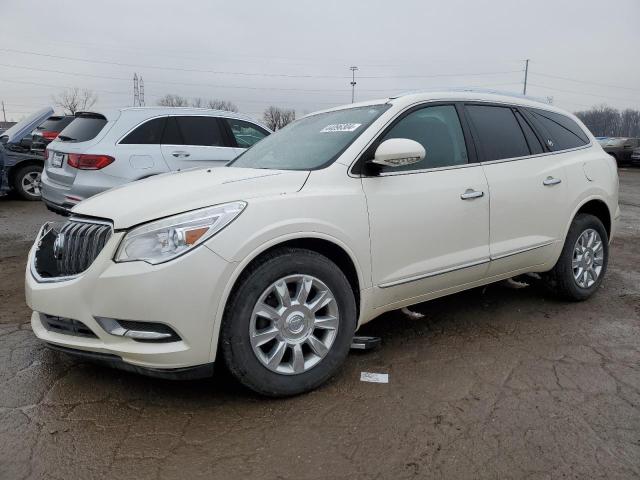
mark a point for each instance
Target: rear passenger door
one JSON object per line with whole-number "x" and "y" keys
{"x": 196, "y": 141}
{"x": 528, "y": 188}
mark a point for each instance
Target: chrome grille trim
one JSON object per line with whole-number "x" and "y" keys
{"x": 83, "y": 238}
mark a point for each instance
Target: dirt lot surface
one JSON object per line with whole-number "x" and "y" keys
{"x": 492, "y": 383}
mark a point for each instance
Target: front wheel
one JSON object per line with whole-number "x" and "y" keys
{"x": 583, "y": 261}
{"x": 289, "y": 323}
{"x": 26, "y": 182}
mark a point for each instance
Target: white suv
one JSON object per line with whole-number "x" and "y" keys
{"x": 101, "y": 150}
{"x": 272, "y": 263}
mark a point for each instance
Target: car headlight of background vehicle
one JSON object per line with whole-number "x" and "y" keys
{"x": 162, "y": 240}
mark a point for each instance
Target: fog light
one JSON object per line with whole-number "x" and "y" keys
{"x": 138, "y": 331}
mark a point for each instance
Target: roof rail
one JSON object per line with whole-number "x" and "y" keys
{"x": 475, "y": 90}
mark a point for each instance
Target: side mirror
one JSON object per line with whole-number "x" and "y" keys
{"x": 398, "y": 152}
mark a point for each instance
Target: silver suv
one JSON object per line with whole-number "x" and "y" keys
{"x": 101, "y": 150}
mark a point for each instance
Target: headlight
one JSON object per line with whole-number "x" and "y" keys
{"x": 166, "y": 239}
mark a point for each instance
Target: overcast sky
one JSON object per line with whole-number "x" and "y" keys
{"x": 297, "y": 54}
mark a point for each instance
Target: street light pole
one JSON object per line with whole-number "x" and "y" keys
{"x": 526, "y": 74}
{"x": 353, "y": 82}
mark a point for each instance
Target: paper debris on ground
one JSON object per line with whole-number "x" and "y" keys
{"x": 374, "y": 377}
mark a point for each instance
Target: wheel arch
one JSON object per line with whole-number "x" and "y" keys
{"x": 328, "y": 246}
{"x": 13, "y": 169}
{"x": 599, "y": 209}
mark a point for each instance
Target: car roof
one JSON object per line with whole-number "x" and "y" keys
{"x": 144, "y": 112}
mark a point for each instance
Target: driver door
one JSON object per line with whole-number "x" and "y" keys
{"x": 429, "y": 222}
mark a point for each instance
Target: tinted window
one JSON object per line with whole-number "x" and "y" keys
{"x": 149, "y": 133}
{"x": 245, "y": 133}
{"x": 84, "y": 127}
{"x": 172, "y": 135}
{"x": 204, "y": 131}
{"x": 532, "y": 140}
{"x": 500, "y": 134}
{"x": 55, "y": 124}
{"x": 563, "y": 132}
{"x": 438, "y": 130}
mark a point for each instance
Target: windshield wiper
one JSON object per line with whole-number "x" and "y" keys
{"x": 64, "y": 138}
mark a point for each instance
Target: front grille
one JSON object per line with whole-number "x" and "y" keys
{"x": 71, "y": 248}
{"x": 66, "y": 326}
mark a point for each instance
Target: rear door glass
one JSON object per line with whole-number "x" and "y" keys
{"x": 500, "y": 134}
{"x": 83, "y": 128}
{"x": 200, "y": 131}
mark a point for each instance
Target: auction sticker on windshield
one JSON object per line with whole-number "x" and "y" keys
{"x": 340, "y": 127}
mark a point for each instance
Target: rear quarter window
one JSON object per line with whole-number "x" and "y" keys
{"x": 83, "y": 128}
{"x": 561, "y": 132}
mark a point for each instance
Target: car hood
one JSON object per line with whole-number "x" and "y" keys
{"x": 22, "y": 128}
{"x": 177, "y": 192}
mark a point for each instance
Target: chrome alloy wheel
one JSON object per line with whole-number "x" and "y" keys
{"x": 31, "y": 183}
{"x": 294, "y": 324}
{"x": 588, "y": 258}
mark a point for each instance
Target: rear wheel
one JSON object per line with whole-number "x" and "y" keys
{"x": 26, "y": 182}
{"x": 583, "y": 261}
{"x": 289, "y": 324}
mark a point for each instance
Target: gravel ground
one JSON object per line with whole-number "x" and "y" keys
{"x": 492, "y": 383}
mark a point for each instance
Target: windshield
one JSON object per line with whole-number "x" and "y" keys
{"x": 312, "y": 142}
{"x": 615, "y": 141}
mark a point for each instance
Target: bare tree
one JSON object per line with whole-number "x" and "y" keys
{"x": 222, "y": 105}
{"x": 605, "y": 121}
{"x": 172, "y": 100}
{"x": 75, "y": 100}
{"x": 275, "y": 118}
{"x": 197, "y": 102}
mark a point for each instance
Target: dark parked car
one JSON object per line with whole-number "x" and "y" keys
{"x": 635, "y": 155}
{"x": 21, "y": 168}
{"x": 48, "y": 131}
{"x": 621, "y": 148}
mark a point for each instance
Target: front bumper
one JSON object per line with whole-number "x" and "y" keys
{"x": 183, "y": 294}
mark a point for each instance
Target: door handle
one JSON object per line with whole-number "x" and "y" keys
{"x": 549, "y": 181}
{"x": 180, "y": 154}
{"x": 470, "y": 194}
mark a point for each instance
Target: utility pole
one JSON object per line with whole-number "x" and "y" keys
{"x": 4, "y": 114}
{"x": 353, "y": 82}
{"x": 136, "y": 91}
{"x": 526, "y": 74}
{"x": 141, "y": 97}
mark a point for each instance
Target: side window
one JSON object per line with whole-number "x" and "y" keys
{"x": 500, "y": 134}
{"x": 245, "y": 133}
{"x": 563, "y": 133}
{"x": 149, "y": 133}
{"x": 532, "y": 140}
{"x": 202, "y": 131}
{"x": 438, "y": 130}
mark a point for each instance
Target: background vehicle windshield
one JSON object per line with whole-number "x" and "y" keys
{"x": 312, "y": 142}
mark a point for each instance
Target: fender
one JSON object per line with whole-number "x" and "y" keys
{"x": 239, "y": 267}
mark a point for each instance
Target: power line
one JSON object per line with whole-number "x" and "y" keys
{"x": 584, "y": 81}
{"x": 251, "y": 74}
{"x": 585, "y": 93}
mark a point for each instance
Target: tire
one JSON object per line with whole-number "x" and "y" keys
{"x": 242, "y": 325}
{"x": 26, "y": 182}
{"x": 561, "y": 280}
